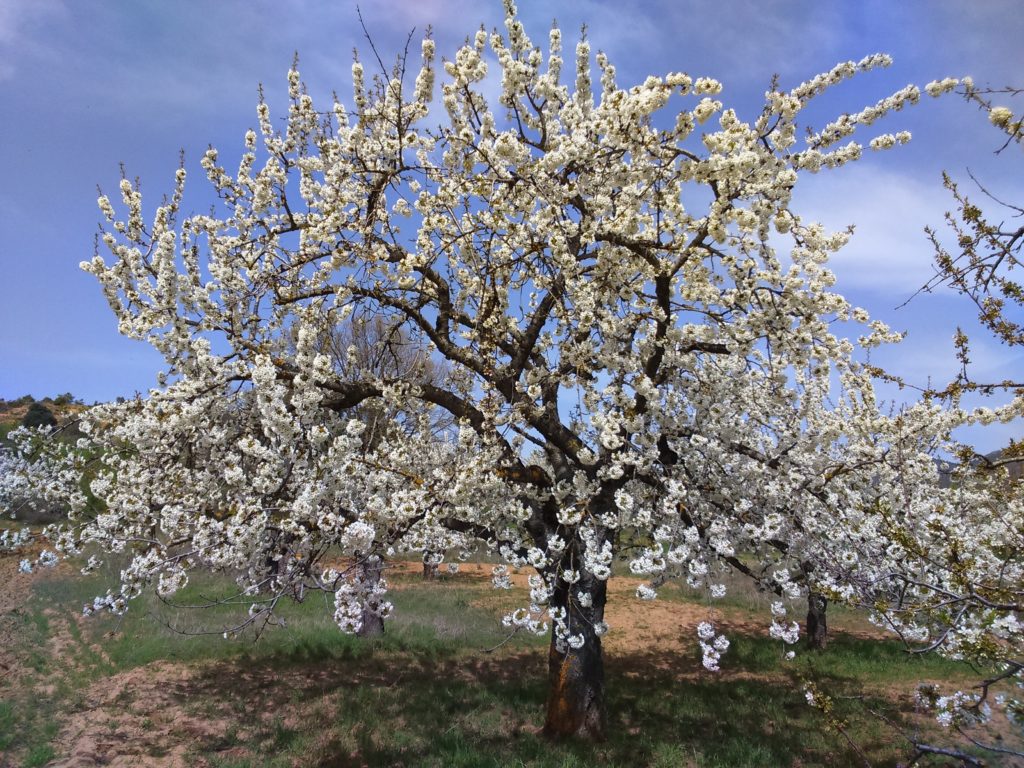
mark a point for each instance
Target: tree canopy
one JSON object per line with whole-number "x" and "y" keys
{"x": 646, "y": 360}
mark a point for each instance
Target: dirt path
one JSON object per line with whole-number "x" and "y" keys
{"x": 137, "y": 718}
{"x": 131, "y": 719}
{"x": 15, "y": 588}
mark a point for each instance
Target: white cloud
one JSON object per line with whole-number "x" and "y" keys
{"x": 889, "y": 252}
{"x": 15, "y": 15}
{"x": 744, "y": 42}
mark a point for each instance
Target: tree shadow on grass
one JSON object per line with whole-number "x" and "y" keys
{"x": 382, "y": 708}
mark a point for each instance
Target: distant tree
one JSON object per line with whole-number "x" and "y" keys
{"x": 373, "y": 347}
{"x": 817, "y": 620}
{"x": 38, "y": 415}
{"x": 955, "y": 566}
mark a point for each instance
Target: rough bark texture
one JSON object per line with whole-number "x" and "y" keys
{"x": 576, "y": 706}
{"x": 817, "y": 625}
{"x": 370, "y": 571}
{"x": 430, "y": 571}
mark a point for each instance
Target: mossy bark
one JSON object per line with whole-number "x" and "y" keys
{"x": 817, "y": 621}
{"x": 576, "y": 701}
{"x": 370, "y": 571}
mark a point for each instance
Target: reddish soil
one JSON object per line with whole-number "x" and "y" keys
{"x": 14, "y": 590}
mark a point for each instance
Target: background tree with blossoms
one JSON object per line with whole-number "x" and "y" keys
{"x": 639, "y": 331}
{"x": 944, "y": 569}
{"x": 961, "y": 575}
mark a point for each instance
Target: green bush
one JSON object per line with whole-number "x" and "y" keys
{"x": 38, "y": 415}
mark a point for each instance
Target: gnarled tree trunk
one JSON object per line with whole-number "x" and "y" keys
{"x": 817, "y": 625}
{"x": 576, "y": 704}
{"x": 370, "y": 570}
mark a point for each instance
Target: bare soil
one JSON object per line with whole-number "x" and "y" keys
{"x": 14, "y": 591}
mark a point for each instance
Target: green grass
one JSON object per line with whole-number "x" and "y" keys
{"x": 27, "y": 722}
{"x": 426, "y": 695}
{"x": 7, "y": 724}
{"x": 39, "y": 755}
{"x": 847, "y": 659}
{"x": 426, "y": 621}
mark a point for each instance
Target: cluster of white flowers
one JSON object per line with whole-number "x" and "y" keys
{"x": 779, "y": 630}
{"x": 712, "y": 646}
{"x": 1000, "y": 117}
{"x": 958, "y": 708}
{"x": 500, "y": 577}
{"x": 356, "y": 596}
{"x": 12, "y": 539}
{"x": 938, "y": 87}
{"x": 646, "y": 592}
{"x": 115, "y": 603}
{"x": 890, "y": 140}
{"x": 521, "y": 618}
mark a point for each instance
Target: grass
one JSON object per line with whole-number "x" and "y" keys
{"x": 426, "y": 695}
{"x": 848, "y": 659}
{"x": 39, "y": 755}
{"x": 7, "y": 721}
{"x": 427, "y": 622}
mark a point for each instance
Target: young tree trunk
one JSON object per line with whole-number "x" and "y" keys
{"x": 370, "y": 571}
{"x": 576, "y": 676}
{"x": 430, "y": 571}
{"x": 817, "y": 625}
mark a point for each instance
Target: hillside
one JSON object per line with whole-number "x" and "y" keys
{"x": 65, "y": 408}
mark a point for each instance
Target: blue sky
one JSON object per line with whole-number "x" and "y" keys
{"x": 88, "y": 84}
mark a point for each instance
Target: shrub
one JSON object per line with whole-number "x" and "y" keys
{"x": 38, "y": 415}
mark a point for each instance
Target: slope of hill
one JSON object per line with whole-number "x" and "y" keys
{"x": 65, "y": 409}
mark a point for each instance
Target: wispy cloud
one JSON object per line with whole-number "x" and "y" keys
{"x": 888, "y": 252}
{"x": 18, "y": 16}
{"x": 988, "y": 36}
{"x": 22, "y": 31}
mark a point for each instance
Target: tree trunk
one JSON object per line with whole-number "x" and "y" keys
{"x": 430, "y": 571}
{"x": 817, "y": 625}
{"x": 576, "y": 675}
{"x": 370, "y": 571}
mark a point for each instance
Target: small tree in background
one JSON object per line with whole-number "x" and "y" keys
{"x": 38, "y": 415}
{"x": 967, "y": 593}
{"x": 371, "y": 347}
